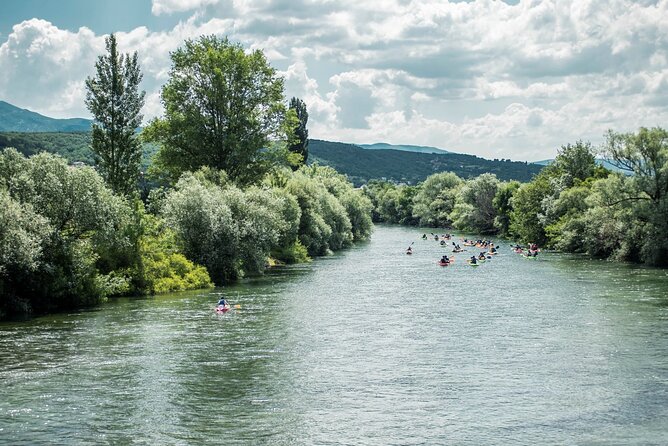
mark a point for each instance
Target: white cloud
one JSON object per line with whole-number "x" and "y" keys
{"x": 482, "y": 77}
{"x": 44, "y": 68}
{"x": 159, "y": 7}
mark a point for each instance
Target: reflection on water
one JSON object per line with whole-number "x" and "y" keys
{"x": 366, "y": 347}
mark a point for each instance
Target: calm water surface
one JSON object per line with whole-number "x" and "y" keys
{"x": 368, "y": 347}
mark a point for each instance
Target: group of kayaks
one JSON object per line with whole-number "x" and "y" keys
{"x": 530, "y": 253}
{"x": 488, "y": 247}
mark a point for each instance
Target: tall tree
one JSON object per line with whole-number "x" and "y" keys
{"x": 644, "y": 154}
{"x": 300, "y": 144}
{"x": 577, "y": 161}
{"x": 114, "y": 99}
{"x": 223, "y": 109}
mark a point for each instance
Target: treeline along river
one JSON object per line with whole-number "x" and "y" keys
{"x": 369, "y": 346}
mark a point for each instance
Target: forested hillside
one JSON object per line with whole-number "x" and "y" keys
{"x": 15, "y": 119}
{"x": 362, "y": 165}
{"x": 73, "y": 146}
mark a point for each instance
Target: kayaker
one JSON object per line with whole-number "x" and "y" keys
{"x": 445, "y": 259}
{"x": 473, "y": 260}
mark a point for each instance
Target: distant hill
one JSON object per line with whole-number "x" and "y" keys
{"x": 15, "y": 119}
{"x": 403, "y": 148}
{"x": 362, "y": 165}
{"x": 31, "y": 133}
{"x": 73, "y": 146}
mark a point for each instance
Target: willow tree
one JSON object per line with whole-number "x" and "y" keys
{"x": 114, "y": 99}
{"x": 645, "y": 154}
{"x": 223, "y": 109}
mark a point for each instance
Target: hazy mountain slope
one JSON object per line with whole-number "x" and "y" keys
{"x": 15, "y": 119}
{"x": 362, "y": 165}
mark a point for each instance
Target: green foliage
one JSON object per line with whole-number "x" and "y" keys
{"x": 294, "y": 253}
{"x": 66, "y": 215}
{"x": 114, "y": 99}
{"x": 333, "y": 214}
{"x": 67, "y": 241}
{"x": 646, "y": 155}
{"x": 436, "y": 199}
{"x": 474, "y": 210}
{"x": 391, "y": 203}
{"x": 525, "y": 218}
{"x": 503, "y": 205}
{"x": 223, "y": 108}
{"x": 357, "y": 205}
{"x": 576, "y": 161}
{"x": 23, "y": 235}
{"x": 300, "y": 144}
{"x": 163, "y": 268}
{"x": 203, "y": 223}
{"x": 314, "y": 232}
{"x": 74, "y": 147}
{"x": 363, "y": 165}
{"x": 229, "y": 230}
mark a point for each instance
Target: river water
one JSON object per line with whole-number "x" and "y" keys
{"x": 366, "y": 347}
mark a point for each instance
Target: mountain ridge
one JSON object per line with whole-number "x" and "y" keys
{"x": 31, "y": 133}
{"x": 403, "y": 147}
{"x": 362, "y": 165}
{"x": 16, "y": 119}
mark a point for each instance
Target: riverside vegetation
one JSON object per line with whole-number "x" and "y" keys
{"x": 236, "y": 193}
{"x": 572, "y": 205}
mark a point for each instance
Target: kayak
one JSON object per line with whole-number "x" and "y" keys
{"x": 409, "y": 252}
{"x": 222, "y": 309}
{"x": 473, "y": 264}
{"x": 443, "y": 263}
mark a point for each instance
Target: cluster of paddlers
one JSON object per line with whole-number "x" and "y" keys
{"x": 531, "y": 252}
{"x": 488, "y": 246}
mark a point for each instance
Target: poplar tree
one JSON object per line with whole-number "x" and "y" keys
{"x": 300, "y": 145}
{"x": 114, "y": 99}
{"x": 223, "y": 109}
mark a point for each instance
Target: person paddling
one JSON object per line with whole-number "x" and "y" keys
{"x": 223, "y": 305}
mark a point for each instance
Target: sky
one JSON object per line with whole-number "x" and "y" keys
{"x": 498, "y": 79}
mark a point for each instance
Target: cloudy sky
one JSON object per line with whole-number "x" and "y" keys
{"x": 499, "y": 79}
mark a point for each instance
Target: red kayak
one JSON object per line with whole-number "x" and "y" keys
{"x": 222, "y": 309}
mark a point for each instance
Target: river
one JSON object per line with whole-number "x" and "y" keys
{"x": 366, "y": 347}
